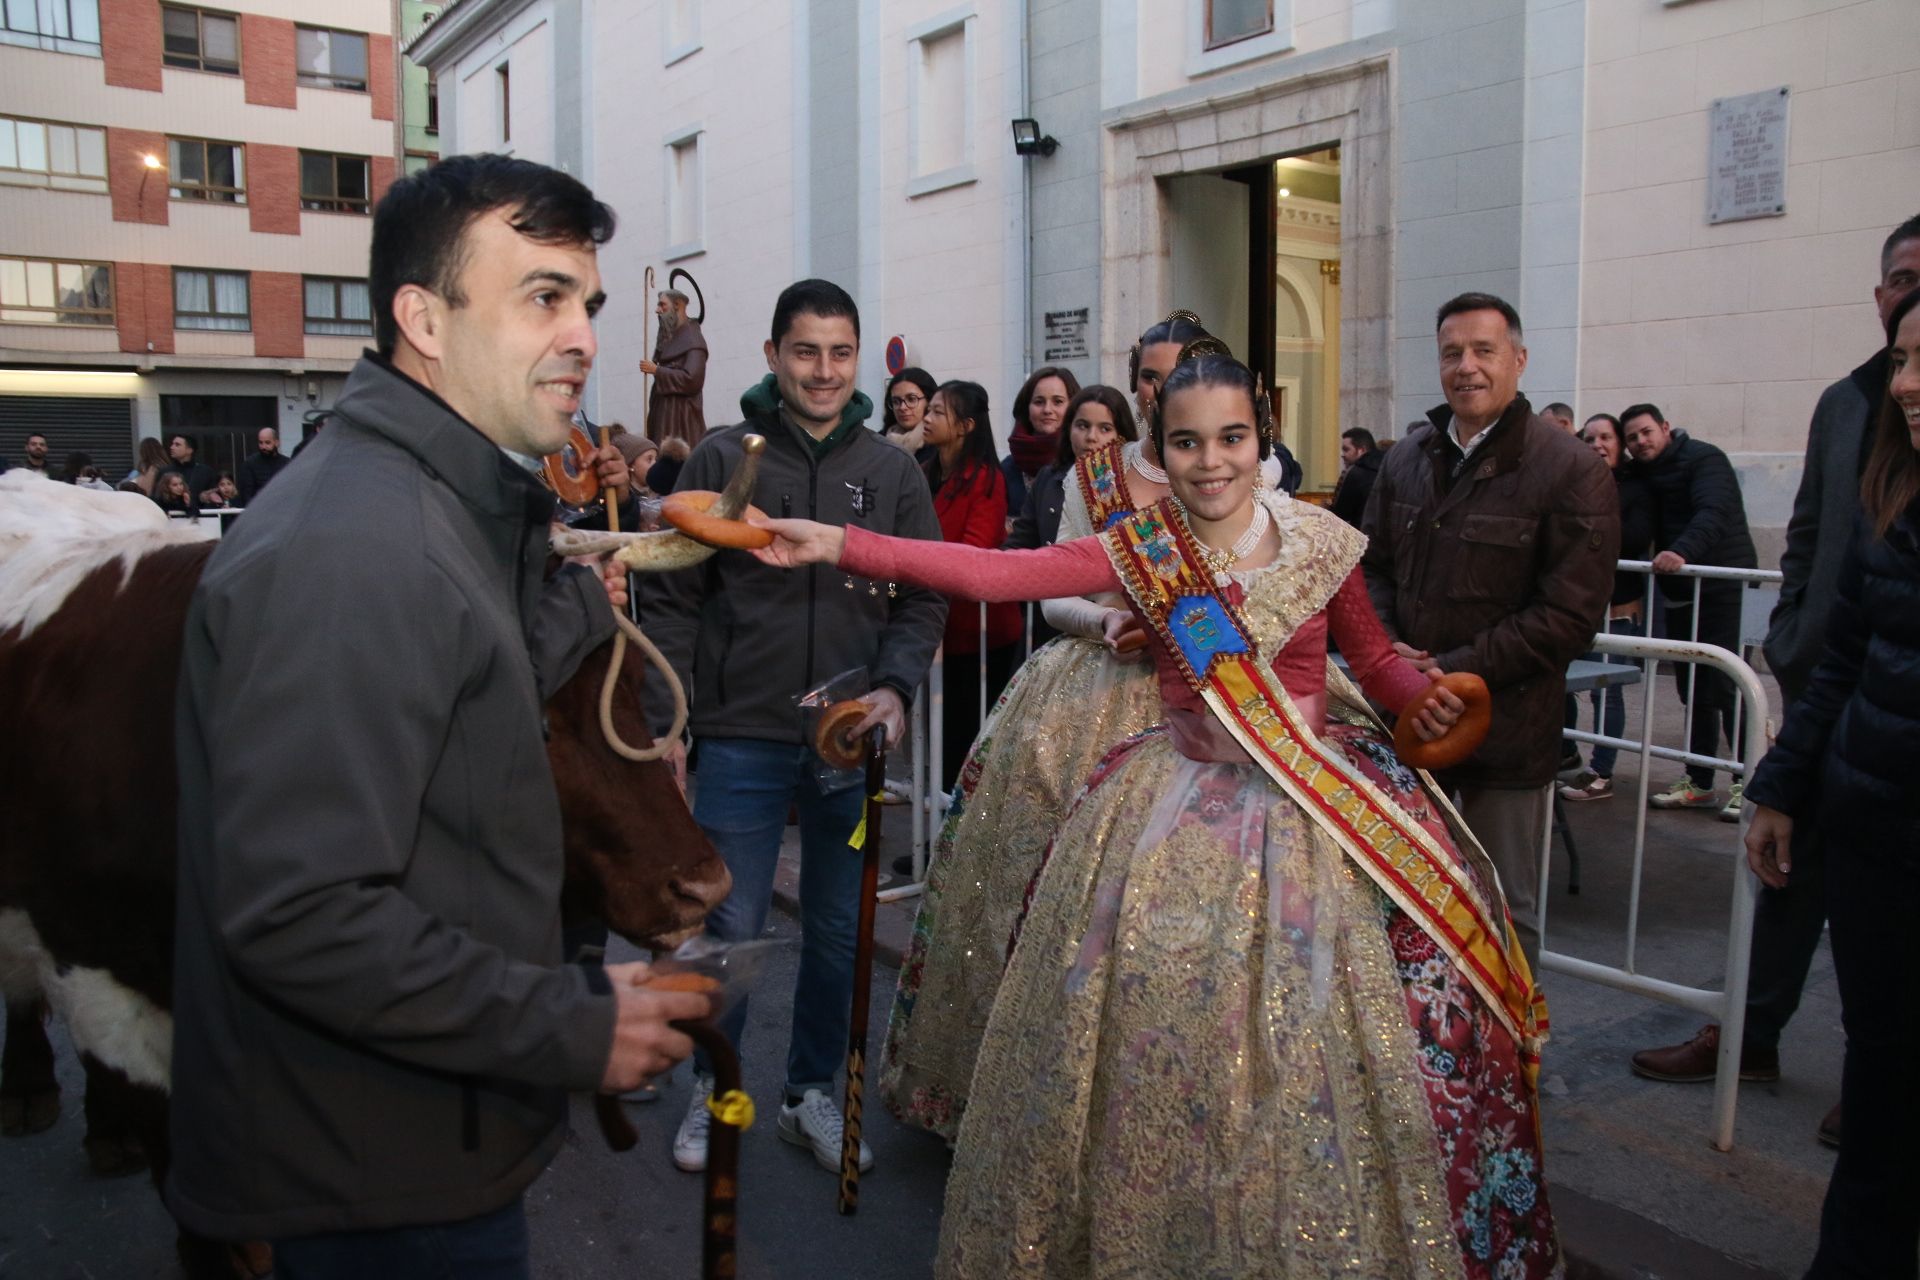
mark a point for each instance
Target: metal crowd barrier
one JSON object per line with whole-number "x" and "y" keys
{"x": 1727, "y": 1006}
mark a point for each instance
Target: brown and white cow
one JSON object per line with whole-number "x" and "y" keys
{"x": 94, "y": 590}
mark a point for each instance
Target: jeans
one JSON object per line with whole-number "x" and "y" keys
{"x": 492, "y": 1246}
{"x": 1714, "y": 695}
{"x": 1610, "y": 703}
{"x": 746, "y": 787}
{"x": 1870, "y": 1222}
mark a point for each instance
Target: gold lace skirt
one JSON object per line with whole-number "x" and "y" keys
{"x": 1065, "y": 706}
{"x": 1201, "y": 1063}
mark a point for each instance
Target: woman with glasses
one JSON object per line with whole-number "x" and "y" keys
{"x": 903, "y": 420}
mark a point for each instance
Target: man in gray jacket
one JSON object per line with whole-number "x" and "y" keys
{"x": 374, "y": 1033}
{"x": 1788, "y": 922}
{"x": 748, "y": 639}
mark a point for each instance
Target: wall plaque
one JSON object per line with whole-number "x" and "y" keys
{"x": 1066, "y": 335}
{"x": 1747, "y": 157}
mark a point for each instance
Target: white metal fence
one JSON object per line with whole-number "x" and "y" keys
{"x": 1727, "y": 1004}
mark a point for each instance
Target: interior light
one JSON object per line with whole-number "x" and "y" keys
{"x": 1284, "y": 193}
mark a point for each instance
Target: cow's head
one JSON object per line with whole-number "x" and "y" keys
{"x": 635, "y": 856}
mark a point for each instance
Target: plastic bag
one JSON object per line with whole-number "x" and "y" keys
{"x": 848, "y": 684}
{"x": 731, "y": 966}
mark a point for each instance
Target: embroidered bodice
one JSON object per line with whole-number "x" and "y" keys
{"x": 1290, "y": 631}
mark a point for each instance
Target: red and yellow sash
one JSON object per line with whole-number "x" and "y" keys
{"x": 1103, "y": 484}
{"x": 1156, "y": 557}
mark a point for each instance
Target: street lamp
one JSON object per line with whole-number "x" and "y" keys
{"x": 1029, "y": 141}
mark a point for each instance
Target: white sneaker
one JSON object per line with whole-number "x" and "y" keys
{"x": 815, "y": 1122}
{"x": 690, "y": 1143}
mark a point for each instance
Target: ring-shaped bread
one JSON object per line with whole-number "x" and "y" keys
{"x": 686, "y": 511}
{"x": 1462, "y": 739}
{"x": 833, "y": 736}
{"x": 573, "y": 479}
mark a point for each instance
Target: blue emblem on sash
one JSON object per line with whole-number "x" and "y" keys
{"x": 1114, "y": 518}
{"x": 1204, "y": 631}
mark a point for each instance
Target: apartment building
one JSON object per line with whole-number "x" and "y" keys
{"x": 184, "y": 216}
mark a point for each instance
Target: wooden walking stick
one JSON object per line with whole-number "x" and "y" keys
{"x": 646, "y": 351}
{"x": 867, "y": 841}
{"x": 732, "y": 1111}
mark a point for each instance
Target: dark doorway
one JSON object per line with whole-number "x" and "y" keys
{"x": 222, "y": 427}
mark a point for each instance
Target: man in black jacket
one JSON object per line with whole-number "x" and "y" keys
{"x": 199, "y": 476}
{"x": 1788, "y": 921}
{"x": 374, "y": 1034}
{"x": 263, "y": 466}
{"x": 748, "y": 639}
{"x": 1361, "y": 457}
{"x": 1699, "y": 518}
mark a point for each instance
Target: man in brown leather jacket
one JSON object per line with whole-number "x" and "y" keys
{"x": 1492, "y": 537}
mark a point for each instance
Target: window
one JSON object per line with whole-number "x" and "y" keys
{"x": 686, "y": 195}
{"x": 503, "y": 80}
{"x": 339, "y": 307}
{"x": 333, "y": 184}
{"x": 940, "y": 112}
{"x": 37, "y": 292}
{"x": 200, "y": 41}
{"x": 201, "y": 170}
{"x": 42, "y": 153}
{"x": 1231, "y": 33}
{"x": 67, "y": 26}
{"x": 683, "y": 30}
{"x": 1231, "y": 20}
{"x": 330, "y": 59}
{"x": 433, "y": 103}
{"x": 210, "y": 300}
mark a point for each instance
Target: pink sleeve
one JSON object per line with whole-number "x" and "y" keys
{"x": 1075, "y": 568}
{"x": 1382, "y": 674}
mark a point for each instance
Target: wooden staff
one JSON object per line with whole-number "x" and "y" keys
{"x": 849, "y": 1201}
{"x": 612, "y": 497}
{"x": 646, "y": 348}
{"x": 732, "y": 1111}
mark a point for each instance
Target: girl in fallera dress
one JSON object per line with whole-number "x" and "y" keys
{"x": 1265, "y": 1016}
{"x": 1068, "y": 704}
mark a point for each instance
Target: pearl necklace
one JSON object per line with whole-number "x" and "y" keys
{"x": 1135, "y": 455}
{"x": 1222, "y": 562}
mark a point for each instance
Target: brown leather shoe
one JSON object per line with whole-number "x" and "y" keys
{"x": 1694, "y": 1061}
{"x": 1829, "y": 1131}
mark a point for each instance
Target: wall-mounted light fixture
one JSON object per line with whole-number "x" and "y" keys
{"x": 1029, "y": 141}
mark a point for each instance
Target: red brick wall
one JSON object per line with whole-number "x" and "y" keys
{"x": 130, "y": 43}
{"x": 143, "y": 306}
{"x": 380, "y": 65}
{"x": 273, "y": 189}
{"x": 382, "y": 178}
{"x": 266, "y": 60}
{"x": 279, "y": 321}
{"x": 126, "y": 171}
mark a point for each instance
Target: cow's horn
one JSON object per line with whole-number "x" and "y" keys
{"x": 668, "y": 549}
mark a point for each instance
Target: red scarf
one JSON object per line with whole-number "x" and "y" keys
{"x": 1031, "y": 450}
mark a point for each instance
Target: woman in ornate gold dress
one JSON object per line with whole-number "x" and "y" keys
{"x": 1265, "y": 1016}
{"x": 1065, "y": 706}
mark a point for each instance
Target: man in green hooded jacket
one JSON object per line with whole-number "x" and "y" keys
{"x": 747, "y": 639}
